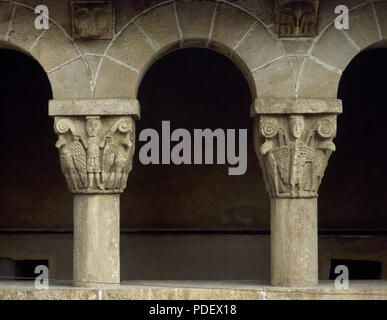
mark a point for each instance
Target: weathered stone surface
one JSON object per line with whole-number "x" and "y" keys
{"x": 160, "y": 25}
{"x": 96, "y": 240}
{"x": 93, "y": 63}
{"x": 362, "y": 26}
{"x": 124, "y": 85}
{"x": 262, "y": 9}
{"x": 92, "y": 46}
{"x": 230, "y": 18}
{"x": 381, "y": 11}
{"x": 133, "y": 48}
{"x": 297, "y": 46}
{"x": 108, "y": 107}
{"x": 318, "y": 82}
{"x": 54, "y": 49}
{"x": 275, "y": 80}
{"x": 259, "y": 48}
{"x": 71, "y": 81}
{"x": 293, "y": 151}
{"x": 22, "y": 32}
{"x": 95, "y": 152}
{"x": 327, "y": 11}
{"x": 294, "y": 242}
{"x": 195, "y": 18}
{"x": 327, "y": 52}
{"x": 296, "y": 106}
{"x": 296, "y": 65}
{"x": 197, "y": 290}
{"x": 293, "y": 142}
{"x": 59, "y": 11}
{"x": 5, "y": 18}
{"x": 127, "y": 10}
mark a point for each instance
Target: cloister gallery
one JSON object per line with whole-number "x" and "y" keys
{"x": 287, "y": 182}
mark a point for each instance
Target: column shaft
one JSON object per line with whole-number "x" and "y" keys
{"x": 96, "y": 240}
{"x": 294, "y": 253}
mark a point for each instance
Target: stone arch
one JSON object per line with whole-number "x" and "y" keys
{"x": 55, "y": 50}
{"x": 235, "y": 31}
{"x": 332, "y": 50}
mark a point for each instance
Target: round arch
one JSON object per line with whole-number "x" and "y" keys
{"x": 332, "y": 50}
{"x": 221, "y": 26}
{"x": 59, "y": 55}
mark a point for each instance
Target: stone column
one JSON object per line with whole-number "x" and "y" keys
{"x": 293, "y": 139}
{"x": 96, "y": 140}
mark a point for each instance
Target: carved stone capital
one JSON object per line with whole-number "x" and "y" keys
{"x": 293, "y": 139}
{"x": 96, "y": 141}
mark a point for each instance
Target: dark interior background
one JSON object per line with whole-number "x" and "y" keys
{"x": 32, "y": 192}
{"x": 353, "y": 192}
{"x": 192, "y": 88}
{"x": 195, "y": 88}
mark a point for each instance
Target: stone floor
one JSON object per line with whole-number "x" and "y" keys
{"x": 195, "y": 290}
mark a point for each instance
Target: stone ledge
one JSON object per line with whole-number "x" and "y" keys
{"x": 98, "y": 107}
{"x": 295, "y": 106}
{"x": 197, "y": 290}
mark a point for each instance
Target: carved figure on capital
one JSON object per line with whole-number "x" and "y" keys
{"x": 294, "y": 153}
{"x": 95, "y": 154}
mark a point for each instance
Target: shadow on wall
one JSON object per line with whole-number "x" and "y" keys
{"x": 33, "y": 192}
{"x": 353, "y": 193}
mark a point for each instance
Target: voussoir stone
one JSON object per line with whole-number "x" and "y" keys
{"x": 124, "y": 84}
{"x": 262, "y": 9}
{"x": 93, "y": 63}
{"x": 230, "y": 18}
{"x": 381, "y": 11}
{"x": 23, "y": 32}
{"x": 132, "y": 47}
{"x": 87, "y": 46}
{"x": 275, "y": 80}
{"x": 259, "y": 48}
{"x": 54, "y": 49}
{"x": 59, "y": 11}
{"x": 327, "y": 14}
{"x": 316, "y": 81}
{"x": 195, "y": 18}
{"x": 296, "y": 64}
{"x": 362, "y": 26}
{"x": 127, "y": 10}
{"x": 326, "y": 50}
{"x": 71, "y": 81}
{"x": 160, "y": 25}
{"x": 297, "y": 46}
{"x": 5, "y": 17}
